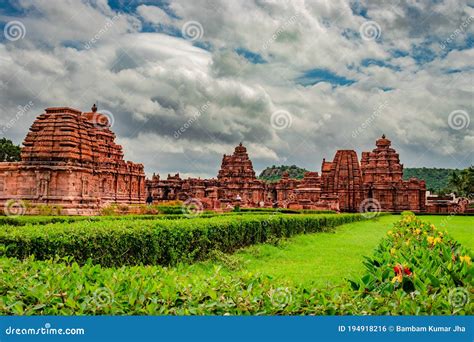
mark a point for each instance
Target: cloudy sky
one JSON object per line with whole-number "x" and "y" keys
{"x": 186, "y": 81}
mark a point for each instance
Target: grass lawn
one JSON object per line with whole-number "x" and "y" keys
{"x": 328, "y": 258}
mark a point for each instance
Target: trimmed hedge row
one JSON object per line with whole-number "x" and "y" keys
{"x": 418, "y": 278}
{"x": 287, "y": 211}
{"x": 157, "y": 242}
{"x": 42, "y": 220}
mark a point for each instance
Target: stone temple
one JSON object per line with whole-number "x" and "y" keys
{"x": 70, "y": 159}
{"x": 344, "y": 185}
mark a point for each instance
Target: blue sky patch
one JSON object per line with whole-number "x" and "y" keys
{"x": 379, "y": 62}
{"x": 315, "y": 76}
{"x": 252, "y": 57}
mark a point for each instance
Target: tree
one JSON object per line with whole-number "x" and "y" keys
{"x": 462, "y": 183}
{"x": 454, "y": 181}
{"x": 8, "y": 151}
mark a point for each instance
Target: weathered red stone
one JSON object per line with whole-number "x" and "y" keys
{"x": 383, "y": 180}
{"x": 71, "y": 159}
{"x": 344, "y": 184}
{"x": 342, "y": 177}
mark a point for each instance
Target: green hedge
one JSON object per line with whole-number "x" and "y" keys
{"x": 42, "y": 220}
{"x": 440, "y": 275}
{"x": 287, "y": 211}
{"x": 163, "y": 242}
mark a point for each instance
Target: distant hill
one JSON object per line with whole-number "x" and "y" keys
{"x": 436, "y": 179}
{"x": 274, "y": 173}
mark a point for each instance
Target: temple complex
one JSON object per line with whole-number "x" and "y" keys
{"x": 70, "y": 159}
{"x": 344, "y": 185}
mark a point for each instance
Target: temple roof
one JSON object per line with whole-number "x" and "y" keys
{"x": 68, "y": 135}
{"x": 383, "y": 142}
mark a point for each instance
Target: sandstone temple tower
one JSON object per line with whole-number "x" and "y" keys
{"x": 237, "y": 181}
{"x": 71, "y": 159}
{"x": 343, "y": 178}
{"x": 382, "y": 176}
{"x": 344, "y": 184}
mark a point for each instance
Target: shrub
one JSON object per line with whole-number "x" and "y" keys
{"x": 418, "y": 263}
{"x": 164, "y": 242}
{"x": 63, "y": 287}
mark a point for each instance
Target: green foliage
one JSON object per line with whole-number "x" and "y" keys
{"x": 286, "y": 211}
{"x": 152, "y": 242}
{"x": 8, "y": 151}
{"x": 63, "y": 287}
{"x": 170, "y": 209}
{"x": 274, "y": 173}
{"x": 416, "y": 264}
{"x": 437, "y": 179}
{"x": 462, "y": 183}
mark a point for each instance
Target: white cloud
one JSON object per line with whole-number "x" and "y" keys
{"x": 155, "y": 83}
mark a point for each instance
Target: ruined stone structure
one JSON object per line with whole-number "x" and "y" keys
{"x": 173, "y": 188}
{"x": 344, "y": 185}
{"x": 236, "y": 180}
{"x": 447, "y": 204}
{"x": 71, "y": 159}
{"x": 342, "y": 177}
{"x": 382, "y": 176}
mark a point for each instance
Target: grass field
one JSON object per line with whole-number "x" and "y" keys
{"x": 281, "y": 276}
{"x": 328, "y": 258}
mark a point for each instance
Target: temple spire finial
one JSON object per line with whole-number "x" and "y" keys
{"x": 383, "y": 136}
{"x": 94, "y": 108}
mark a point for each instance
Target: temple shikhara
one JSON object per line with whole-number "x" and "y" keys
{"x": 343, "y": 185}
{"x": 70, "y": 159}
